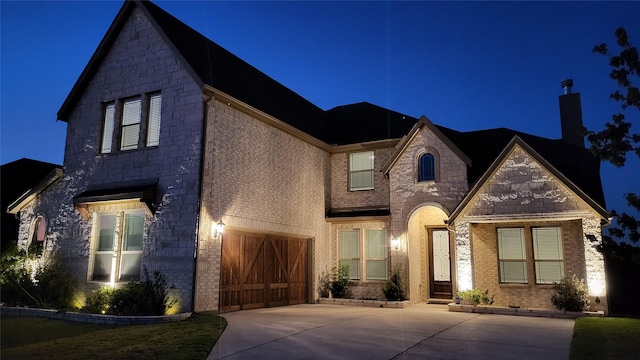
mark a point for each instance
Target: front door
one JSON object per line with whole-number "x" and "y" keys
{"x": 440, "y": 264}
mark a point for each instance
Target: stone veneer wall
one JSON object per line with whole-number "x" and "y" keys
{"x": 261, "y": 179}
{"x": 407, "y": 195}
{"x": 139, "y": 62}
{"x": 522, "y": 189}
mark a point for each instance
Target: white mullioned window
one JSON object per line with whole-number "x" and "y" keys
{"x": 548, "y": 254}
{"x": 117, "y": 246}
{"x": 376, "y": 260}
{"x": 370, "y": 242}
{"x": 131, "y": 114}
{"x": 361, "y": 167}
{"x": 512, "y": 255}
{"x": 349, "y": 245}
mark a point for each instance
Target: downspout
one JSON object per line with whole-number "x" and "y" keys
{"x": 203, "y": 137}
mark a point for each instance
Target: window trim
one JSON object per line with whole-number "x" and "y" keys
{"x": 112, "y": 133}
{"x": 421, "y": 167}
{"x": 523, "y": 260}
{"x": 536, "y": 261}
{"x": 116, "y": 273}
{"x": 530, "y": 259}
{"x": 371, "y": 171}
{"x": 363, "y": 258}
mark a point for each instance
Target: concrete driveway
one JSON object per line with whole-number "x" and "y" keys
{"x": 314, "y": 331}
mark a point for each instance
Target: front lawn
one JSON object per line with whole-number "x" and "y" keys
{"x": 35, "y": 338}
{"x": 606, "y": 338}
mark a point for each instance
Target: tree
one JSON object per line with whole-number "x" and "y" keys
{"x": 618, "y": 140}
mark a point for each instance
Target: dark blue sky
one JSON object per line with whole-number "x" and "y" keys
{"x": 464, "y": 65}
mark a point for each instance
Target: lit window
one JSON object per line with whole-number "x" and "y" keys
{"x": 349, "y": 244}
{"x": 427, "y": 168}
{"x": 547, "y": 253}
{"x": 117, "y": 251}
{"x": 361, "y": 171}
{"x": 512, "y": 256}
{"x": 376, "y": 254}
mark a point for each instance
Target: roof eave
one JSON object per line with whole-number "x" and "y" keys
{"x": 516, "y": 140}
{"x": 19, "y": 204}
{"x": 424, "y": 121}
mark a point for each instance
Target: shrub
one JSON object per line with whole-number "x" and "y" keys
{"x": 570, "y": 294}
{"x": 476, "y": 296}
{"x": 336, "y": 282}
{"x": 55, "y": 286}
{"x": 150, "y": 297}
{"x": 393, "y": 289}
{"x": 33, "y": 280}
{"x": 98, "y": 301}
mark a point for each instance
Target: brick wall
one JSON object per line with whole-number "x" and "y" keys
{"x": 341, "y": 197}
{"x": 258, "y": 178}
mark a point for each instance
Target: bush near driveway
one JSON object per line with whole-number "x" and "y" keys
{"x": 35, "y": 338}
{"x": 606, "y": 338}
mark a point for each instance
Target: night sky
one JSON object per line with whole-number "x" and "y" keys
{"x": 466, "y": 66}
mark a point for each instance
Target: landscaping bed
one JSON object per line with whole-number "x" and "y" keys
{"x": 502, "y": 310}
{"x": 8, "y": 311}
{"x": 368, "y": 303}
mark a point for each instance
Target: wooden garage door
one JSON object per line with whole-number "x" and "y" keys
{"x": 259, "y": 270}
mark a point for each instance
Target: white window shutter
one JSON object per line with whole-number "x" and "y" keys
{"x": 108, "y": 127}
{"x": 153, "y": 131}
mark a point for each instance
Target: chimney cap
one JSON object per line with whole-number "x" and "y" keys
{"x": 566, "y": 85}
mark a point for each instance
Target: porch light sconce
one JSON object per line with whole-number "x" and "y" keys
{"x": 395, "y": 242}
{"x": 218, "y": 228}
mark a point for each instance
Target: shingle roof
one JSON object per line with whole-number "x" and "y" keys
{"x": 348, "y": 124}
{"x": 219, "y": 68}
{"x": 363, "y": 122}
{"x": 484, "y": 146}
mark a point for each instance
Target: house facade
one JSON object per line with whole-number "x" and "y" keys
{"x": 169, "y": 135}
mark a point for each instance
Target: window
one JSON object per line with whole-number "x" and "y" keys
{"x": 38, "y": 236}
{"x": 512, "y": 256}
{"x": 427, "y": 168}
{"x": 349, "y": 243}
{"x": 129, "y": 121}
{"x": 361, "y": 171}
{"x": 153, "y": 129}
{"x": 374, "y": 244}
{"x": 131, "y": 113}
{"x": 117, "y": 250}
{"x": 376, "y": 254}
{"x": 108, "y": 127}
{"x": 547, "y": 254}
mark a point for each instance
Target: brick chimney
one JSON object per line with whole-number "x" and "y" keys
{"x": 571, "y": 115}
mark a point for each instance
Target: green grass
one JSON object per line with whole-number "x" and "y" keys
{"x": 35, "y": 338}
{"x": 606, "y": 338}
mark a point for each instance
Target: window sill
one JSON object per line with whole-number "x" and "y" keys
{"x": 119, "y": 152}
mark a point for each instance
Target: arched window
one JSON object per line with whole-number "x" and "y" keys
{"x": 38, "y": 237}
{"x": 427, "y": 167}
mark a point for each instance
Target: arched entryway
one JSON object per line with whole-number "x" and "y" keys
{"x": 430, "y": 255}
